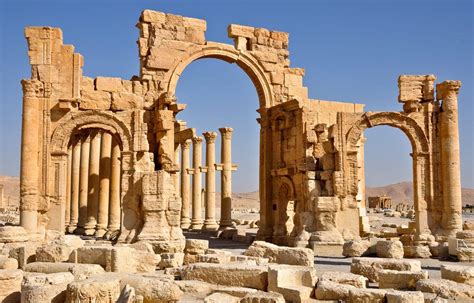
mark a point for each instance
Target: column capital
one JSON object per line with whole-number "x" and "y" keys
{"x": 197, "y": 140}
{"x": 186, "y": 144}
{"x": 210, "y": 137}
{"x": 226, "y": 132}
{"x": 445, "y": 88}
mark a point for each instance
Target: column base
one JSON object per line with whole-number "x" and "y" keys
{"x": 227, "y": 224}
{"x": 71, "y": 228}
{"x": 100, "y": 233}
{"x": 29, "y": 220}
{"x": 89, "y": 231}
{"x": 185, "y": 223}
{"x": 210, "y": 225}
{"x": 196, "y": 226}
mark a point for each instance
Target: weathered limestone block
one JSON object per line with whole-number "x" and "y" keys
{"x": 45, "y": 288}
{"x": 126, "y": 101}
{"x": 433, "y": 298}
{"x": 154, "y": 288}
{"x": 458, "y": 273}
{"x": 328, "y": 290}
{"x": 370, "y": 267}
{"x": 219, "y": 297}
{"x": 195, "y": 246}
{"x": 465, "y": 254}
{"x": 10, "y": 285}
{"x": 59, "y": 250}
{"x": 109, "y": 84}
{"x": 356, "y": 248}
{"x": 101, "y": 255}
{"x": 171, "y": 260}
{"x": 228, "y": 274}
{"x": 250, "y": 260}
{"x": 389, "y": 249}
{"x": 235, "y": 30}
{"x": 212, "y": 258}
{"x": 362, "y": 295}
{"x": 153, "y": 16}
{"x": 24, "y": 253}
{"x": 281, "y": 254}
{"x": 445, "y": 288}
{"x": 405, "y": 297}
{"x": 95, "y": 99}
{"x": 8, "y": 263}
{"x": 10, "y": 234}
{"x": 345, "y": 278}
{"x": 400, "y": 279}
{"x": 418, "y": 251}
{"x": 97, "y": 289}
{"x": 295, "y": 283}
{"x": 79, "y": 271}
{"x": 262, "y": 297}
{"x": 468, "y": 225}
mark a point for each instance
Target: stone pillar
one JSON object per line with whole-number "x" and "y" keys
{"x": 450, "y": 161}
{"x": 176, "y": 175}
{"x": 196, "y": 222}
{"x": 68, "y": 187}
{"x": 104, "y": 184}
{"x": 76, "y": 163}
{"x": 114, "y": 206}
{"x": 29, "y": 169}
{"x": 83, "y": 183}
{"x": 210, "y": 197}
{"x": 1, "y": 196}
{"x": 226, "y": 177}
{"x": 93, "y": 192}
{"x": 185, "y": 185}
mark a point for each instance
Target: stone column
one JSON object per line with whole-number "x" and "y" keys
{"x": 93, "y": 192}
{"x": 76, "y": 163}
{"x": 450, "y": 161}
{"x": 226, "y": 178}
{"x": 29, "y": 169}
{"x": 210, "y": 200}
{"x": 196, "y": 222}
{"x": 104, "y": 184}
{"x": 68, "y": 187}
{"x": 176, "y": 176}
{"x": 83, "y": 183}
{"x": 185, "y": 185}
{"x": 114, "y": 206}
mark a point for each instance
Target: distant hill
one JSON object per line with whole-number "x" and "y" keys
{"x": 399, "y": 192}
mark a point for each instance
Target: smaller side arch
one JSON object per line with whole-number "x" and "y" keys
{"x": 89, "y": 119}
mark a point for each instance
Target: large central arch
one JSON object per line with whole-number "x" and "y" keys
{"x": 422, "y": 191}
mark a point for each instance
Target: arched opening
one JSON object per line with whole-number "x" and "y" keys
{"x": 387, "y": 191}
{"x": 221, "y": 106}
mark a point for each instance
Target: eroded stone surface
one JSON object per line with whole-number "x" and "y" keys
{"x": 281, "y": 255}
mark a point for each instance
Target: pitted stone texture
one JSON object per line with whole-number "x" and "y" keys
{"x": 263, "y": 297}
{"x": 219, "y": 297}
{"x": 8, "y": 263}
{"x": 465, "y": 254}
{"x": 10, "y": 285}
{"x": 10, "y": 234}
{"x": 370, "y": 267}
{"x": 195, "y": 246}
{"x": 171, "y": 260}
{"x": 405, "y": 297}
{"x": 45, "y": 288}
{"x": 458, "y": 273}
{"x": 363, "y": 295}
{"x": 295, "y": 283}
{"x": 59, "y": 250}
{"x": 24, "y": 253}
{"x": 328, "y": 290}
{"x": 446, "y": 288}
{"x": 228, "y": 274}
{"x": 345, "y": 278}
{"x": 356, "y": 248}
{"x": 389, "y": 249}
{"x": 418, "y": 251}
{"x": 153, "y": 288}
{"x": 97, "y": 289}
{"x": 400, "y": 279}
{"x": 79, "y": 271}
{"x": 281, "y": 254}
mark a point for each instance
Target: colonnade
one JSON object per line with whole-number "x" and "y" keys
{"x": 191, "y": 192}
{"x": 93, "y": 184}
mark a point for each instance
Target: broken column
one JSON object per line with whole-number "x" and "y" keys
{"x": 196, "y": 222}
{"x": 210, "y": 221}
{"x": 93, "y": 184}
{"x": 450, "y": 161}
{"x": 226, "y": 177}
{"x": 185, "y": 184}
{"x": 104, "y": 184}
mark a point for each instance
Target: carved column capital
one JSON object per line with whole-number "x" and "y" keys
{"x": 446, "y": 88}
{"x": 186, "y": 144}
{"x": 210, "y": 137}
{"x": 226, "y": 132}
{"x": 197, "y": 140}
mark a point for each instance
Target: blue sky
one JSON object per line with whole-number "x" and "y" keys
{"x": 351, "y": 50}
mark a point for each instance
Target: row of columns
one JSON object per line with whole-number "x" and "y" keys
{"x": 191, "y": 194}
{"x": 93, "y": 184}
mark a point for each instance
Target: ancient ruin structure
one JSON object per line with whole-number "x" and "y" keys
{"x": 102, "y": 156}
{"x": 383, "y": 201}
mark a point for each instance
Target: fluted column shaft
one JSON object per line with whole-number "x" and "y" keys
{"x": 185, "y": 185}
{"x": 67, "y": 213}
{"x": 196, "y": 222}
{"x": 83, "y": 183}
{"x": 226, "y": 177}
{"x": 450, "y": 159}
{"x": 75, "y": 181}
{"x": 210, "y": 201}
{"x": 114, "y": 206}
{"x": 93, "y": 193}
{"x": 104, "y": 184}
